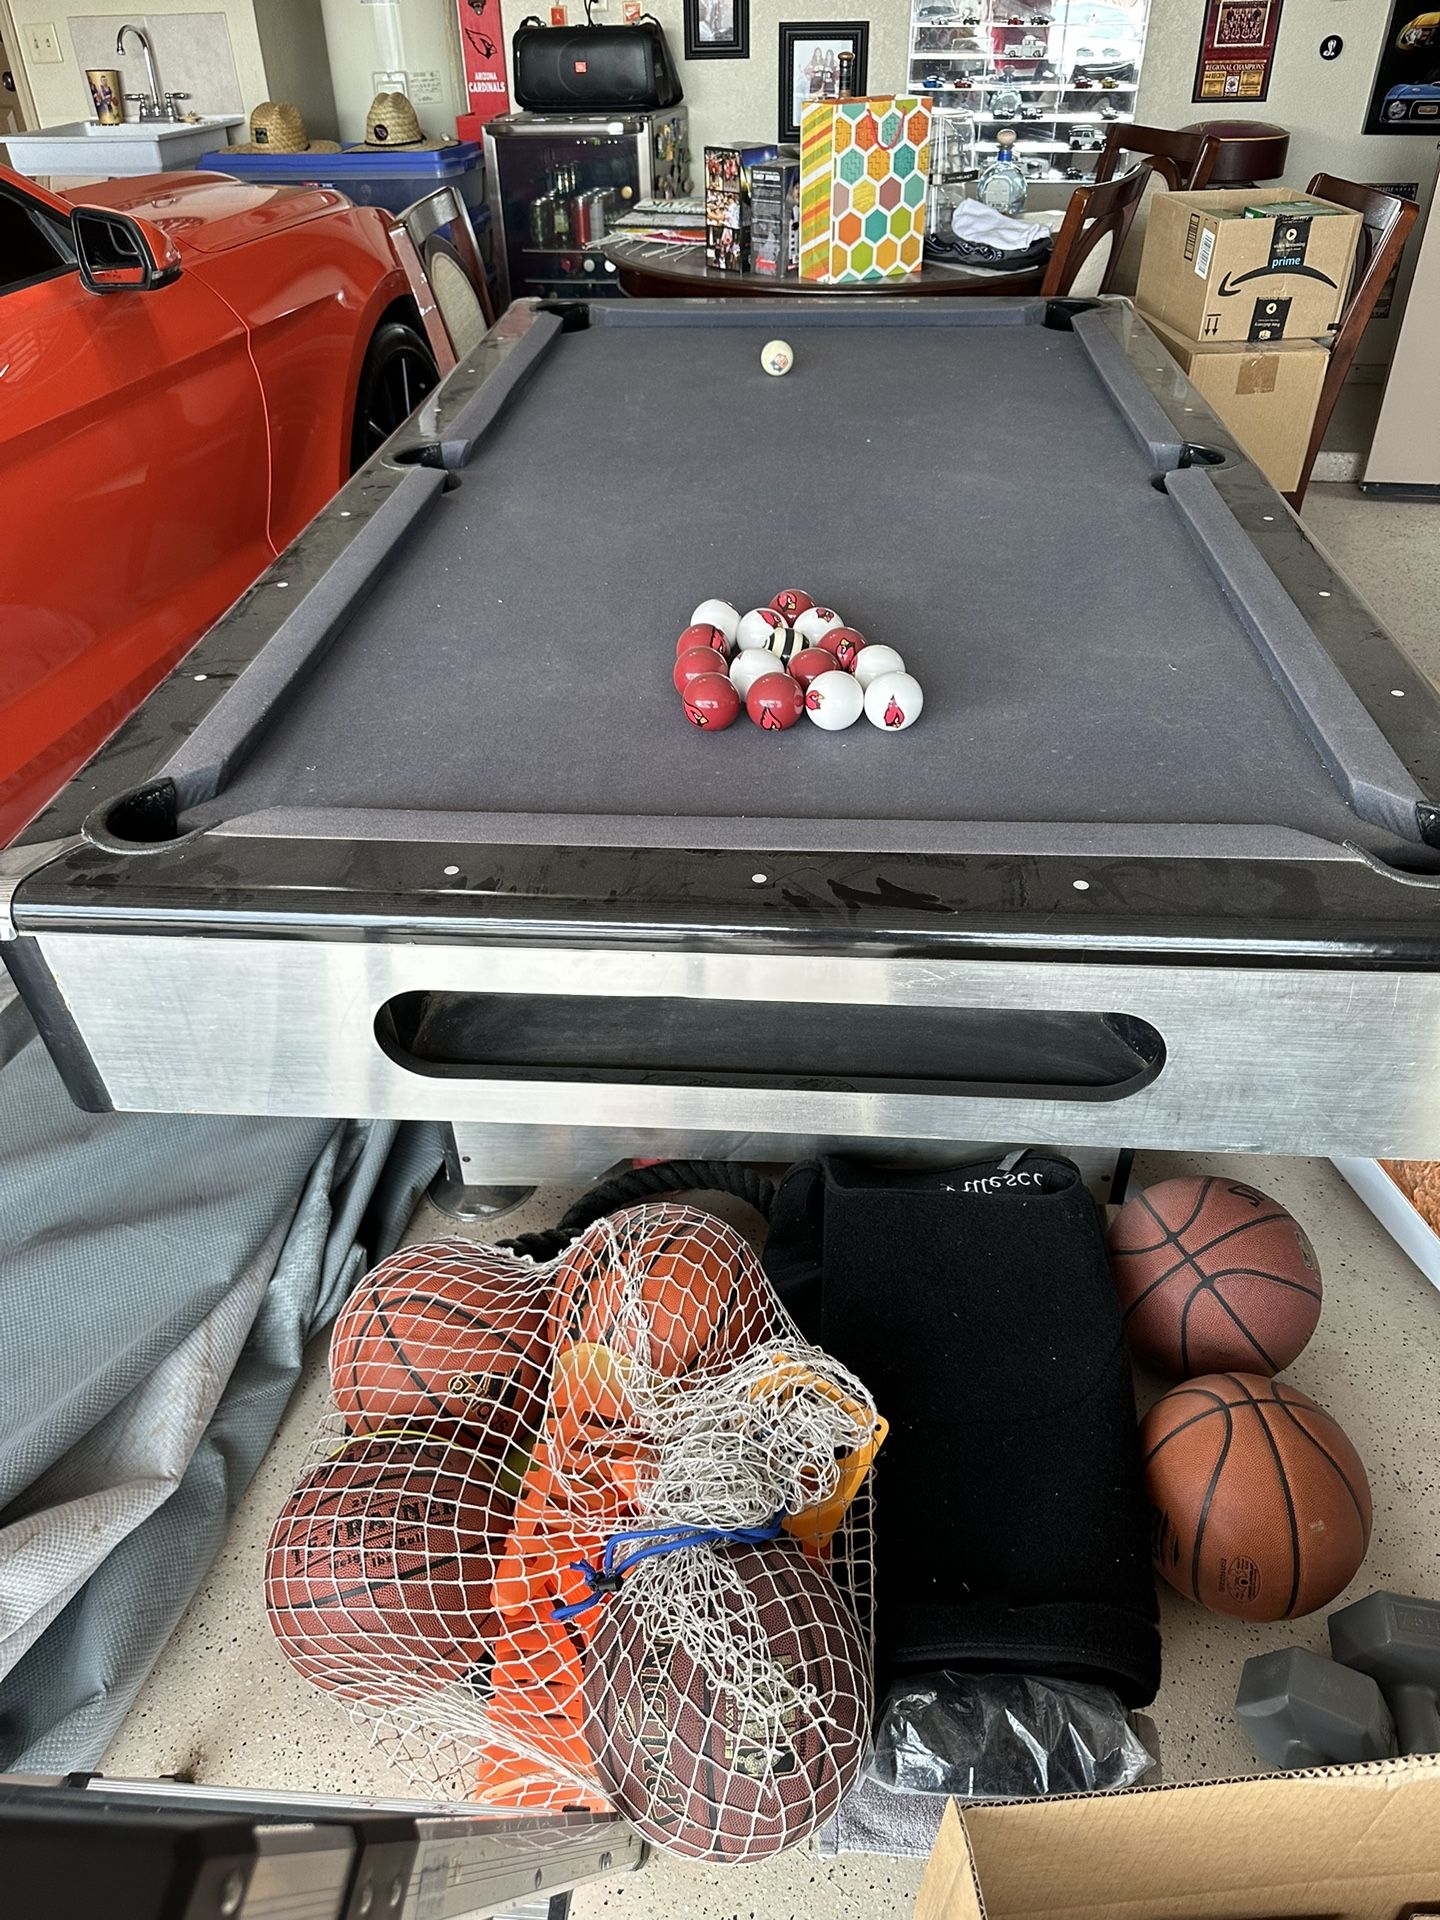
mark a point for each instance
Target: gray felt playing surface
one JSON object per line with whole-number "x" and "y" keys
{"x": 972, "y": 496}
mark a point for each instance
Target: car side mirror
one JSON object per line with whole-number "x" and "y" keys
{"x": 119, "y": 254}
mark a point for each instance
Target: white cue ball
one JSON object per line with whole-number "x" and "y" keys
{"x": 816, "y": 622}
{"x": 892, "y": 702}
{"x": 777, "y": 356}
{"x": 757, "y": 627}
{"x": 747, "y": 667}
{"x": 717, "y": 613}
{"x": 871, "y": 662}
{"x": 834, "y": 701}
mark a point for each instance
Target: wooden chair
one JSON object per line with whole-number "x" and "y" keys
{"x": 1184, "y": 161}
{"x": 1095, "y": 214}
{"x": 1387, "y": 222}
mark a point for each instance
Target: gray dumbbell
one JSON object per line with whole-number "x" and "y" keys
{"x": 1396, "y": 1640}
{"x": 1299, "y": 1709}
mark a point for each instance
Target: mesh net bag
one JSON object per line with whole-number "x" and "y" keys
{"x": 592, "y": 1534}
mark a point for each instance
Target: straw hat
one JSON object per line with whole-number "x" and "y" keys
{"x": 392, "y": 122}
{"x": 277, "y": 126}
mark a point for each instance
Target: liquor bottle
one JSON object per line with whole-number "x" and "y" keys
{"x": 1002, "y": 180}
{"x": 845, "y": 86}
{"x": 564, "y": 188}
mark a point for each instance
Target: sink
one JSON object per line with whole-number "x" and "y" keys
{"x": 86, "y": 148}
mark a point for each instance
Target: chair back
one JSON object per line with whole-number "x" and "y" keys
{"x": 1184, "y": 161}
{"x": 1386, "y": 223}
{"x": 440, "y": 230}
{"x": 1095, "y": 214}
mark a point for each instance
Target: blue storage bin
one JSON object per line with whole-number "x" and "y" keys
{"x": 369, "y": 178}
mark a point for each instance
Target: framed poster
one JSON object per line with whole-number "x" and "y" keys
{"x": 1237, "y": 46}
{"x": 717, "y": 29}
{"x": 810, "y": 65}
{"x": 1405, "y": 93}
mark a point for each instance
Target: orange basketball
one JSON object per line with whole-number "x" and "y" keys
{"x": 380, "y": 1571}
{"x": 1260, "y": 1505}
{"x": 1213, "y": 1276}
{"x": 450, "y": 1337}
{"x": 694, "y": 1288}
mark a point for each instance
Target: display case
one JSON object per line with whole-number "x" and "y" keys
{"x": 1058, "y": 71}
{"x": 558, "y": 180}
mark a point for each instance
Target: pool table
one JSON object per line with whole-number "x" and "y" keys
{"x": 419, "y": 829}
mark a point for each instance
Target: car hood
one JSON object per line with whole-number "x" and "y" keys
{"x": 209, "y": 212}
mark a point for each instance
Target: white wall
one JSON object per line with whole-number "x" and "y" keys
{"x": 61, "y": 92}
{"x": 297, "y": 61}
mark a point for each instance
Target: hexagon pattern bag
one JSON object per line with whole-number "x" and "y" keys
{"x": 864, "y": 168}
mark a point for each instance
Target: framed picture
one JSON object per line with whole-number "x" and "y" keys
{"x": 810, "y": 64}
{"x": 1237, "y": 49}
{"x": 717, "y": 29}
{"x": 1405, "y": 93}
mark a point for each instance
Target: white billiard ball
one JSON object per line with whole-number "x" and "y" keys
{"x": 717, "y": 613}
{"x": 892, "y": 702}
{"x": 873, "y": 661}
{"x": 834, "y": 701}
{"x": 777, "y": 356}
{"x": 747, "y": 667}
{"x": 815, "y": 622}
{"x": 757, "y": 627}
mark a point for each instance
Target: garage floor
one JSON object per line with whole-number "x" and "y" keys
{"x": 223, "y": 1707}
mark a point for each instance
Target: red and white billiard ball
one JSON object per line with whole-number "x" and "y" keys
{"x": 790, "y": 603}
{"x": 757, "y": 626}
{"x": 692, "y": 663}
{"x": 810, "y": 664}
{"x": 834, "y": 701}
{"x": 702, "y": 634}
{"x": 874, "y": 661}
{"x": 717, "y": 613}
{"x": 845, "y": 643}
{"x": 775, "y": 701}
{"x": 711, "y": 703}
{"x": 893, "y": 702}
{"x": 816, "y": 621}
{"x": 749, "y": 665}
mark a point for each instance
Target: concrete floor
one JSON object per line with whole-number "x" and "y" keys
{"x": 224, "y": 1708}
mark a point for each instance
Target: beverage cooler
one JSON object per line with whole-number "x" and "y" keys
{"x": 559, "y": 180}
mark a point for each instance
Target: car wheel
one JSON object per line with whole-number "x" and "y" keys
{"x": 398, "y": 372}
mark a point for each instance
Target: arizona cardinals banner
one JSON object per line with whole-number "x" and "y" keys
{"x": 482, "y": 41}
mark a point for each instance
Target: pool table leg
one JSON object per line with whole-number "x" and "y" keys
{"x": 452, "y": 1193}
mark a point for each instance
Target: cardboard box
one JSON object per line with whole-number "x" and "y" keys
{"x": 1351, "y": 1843}
{"x": 728, "y": 203}
{"x": 1214, "y": 270}
{"x": 775, "y": 214}
{"x": 1266, "y": 395}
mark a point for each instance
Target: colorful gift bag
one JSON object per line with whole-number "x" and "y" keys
{"x": 864, "y": 169}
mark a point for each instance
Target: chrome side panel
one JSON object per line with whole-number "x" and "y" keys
{"x": 1257, "y": 1059}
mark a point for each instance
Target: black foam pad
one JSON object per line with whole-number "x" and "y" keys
{"x": 976, "y": 1304}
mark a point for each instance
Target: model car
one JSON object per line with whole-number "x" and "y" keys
{"x": 1420, "y": 102}
{"x": 191, "y": 367}
{"x": 1419, "y": 32}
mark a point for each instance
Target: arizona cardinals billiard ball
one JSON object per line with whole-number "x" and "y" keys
{"x": 845, "y": 643}
{"x": 703, "y": 634}
{"x": 893, "y": 702}
{"x": 757, "y": 626}
{"x": 816, "y": 621}
{"x": 717, "y": 613}
{"x": 711, "y": 703}
{"x": 748, "y": 666}
{"x": 790, "y": 603}
{"x": 811, "y": 663}
{"x": 834, "y": 701}
{"x": 775, "y": 701}
{"x": 692, "y": 663}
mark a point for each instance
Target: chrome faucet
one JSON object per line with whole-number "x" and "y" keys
{"x": 157, "y": 104}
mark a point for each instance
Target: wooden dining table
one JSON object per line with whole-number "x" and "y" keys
{"x": 656, "y": 270}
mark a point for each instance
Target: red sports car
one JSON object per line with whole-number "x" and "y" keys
{"x": 189, "y": 368}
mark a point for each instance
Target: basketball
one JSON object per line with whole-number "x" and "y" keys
{"x": 380, "y": 1569}
{"x": 1259, "y": 1504}
{"x": 449, "y": 1336}
{"x": 731, "y": 1775}
{"x": 1213, "y": 1277}
{"x": 673, "y": 1283}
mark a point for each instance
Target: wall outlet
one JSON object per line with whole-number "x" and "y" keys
{"x": 42, "y": 43}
